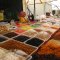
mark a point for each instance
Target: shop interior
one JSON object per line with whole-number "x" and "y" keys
{"x": 29, "y": 30}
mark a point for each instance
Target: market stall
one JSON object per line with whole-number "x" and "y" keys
{"x": 27, "y": 37}
{"x": 30, "y": 40}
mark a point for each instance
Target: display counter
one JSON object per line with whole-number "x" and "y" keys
{"x": 31, "y": 38}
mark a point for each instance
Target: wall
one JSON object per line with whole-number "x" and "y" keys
{"x": 40, "y": 8}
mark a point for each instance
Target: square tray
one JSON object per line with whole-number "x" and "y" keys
{"x": 38, "y": 29}
{"x": 10, "y": 34}
{"x": 43, "y": 35}
{"x": 21, "y": 38}
{"x": 2, "y": 39}
{"x": 34, "y": 42}
{"x": 13, "y": 44}
{"x": 30, "y": 33}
